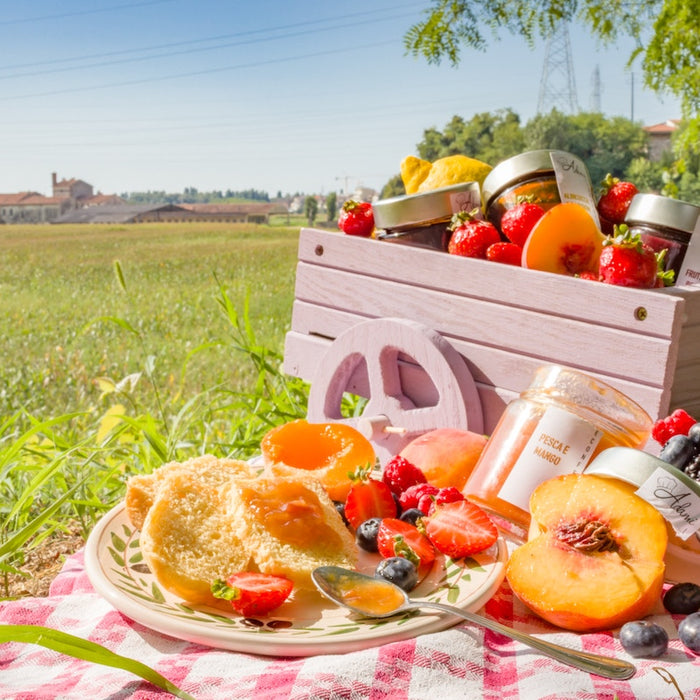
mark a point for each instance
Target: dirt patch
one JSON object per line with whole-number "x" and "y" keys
{"x": 42, "y": 564}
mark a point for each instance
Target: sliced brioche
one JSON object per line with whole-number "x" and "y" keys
{"x": 291, "y": 525}
{"x": 141, "y": 489}
{"x": 187, "y": 538}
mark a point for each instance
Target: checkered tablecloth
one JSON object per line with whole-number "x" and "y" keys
{"x": 462, "y": 662}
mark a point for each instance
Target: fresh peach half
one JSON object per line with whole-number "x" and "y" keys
{"x": 566, "y": 240}
{"x": 330, "y": 452}
{"x": 446, "y": 456}
{"x": 594, "y": 558}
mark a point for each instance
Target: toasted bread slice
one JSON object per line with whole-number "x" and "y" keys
{"x": 291, "y": 526}
{"x": 188, "y": 541}
{"x": 141, "y": 489}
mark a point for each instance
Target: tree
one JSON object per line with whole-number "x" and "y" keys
{"x": 331, "y": 205}
{"x": 667, "y": 33}
{"x": 310, "y": 209}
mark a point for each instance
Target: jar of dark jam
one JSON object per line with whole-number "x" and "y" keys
{"x": 663, "y": 224}
{"x": 423, "y": 219}
{"x": 544, "y": 177}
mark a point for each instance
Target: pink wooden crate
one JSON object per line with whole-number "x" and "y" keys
{"x": 504, "y": 321}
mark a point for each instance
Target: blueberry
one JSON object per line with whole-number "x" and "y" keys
{"x": 682, "y": 599}
{"x": 340, "y": 507}
{"x": 689, "y": 632}
{"x": 694, "y": 435}
{"x": 366, "y": 534}
{"x": 677, "y": 451}
{"x": 399, "y": 571}
{"x": 643, "y": 638}
{"x": 411, "y": 515}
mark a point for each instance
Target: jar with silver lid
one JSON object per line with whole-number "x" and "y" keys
{"x": 423, "y": 219}
{"x": 663, "y": 224}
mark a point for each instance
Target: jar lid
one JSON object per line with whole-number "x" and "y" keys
{"x": 424, "y": 207}
{"x": 662, "y": 211}
{"x": 635, "y": 467}
{"x": 511, "y": 170}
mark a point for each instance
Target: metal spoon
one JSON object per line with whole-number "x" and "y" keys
{"x": 376, "y": 597}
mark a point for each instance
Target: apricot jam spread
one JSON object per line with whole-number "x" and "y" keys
{"x": 372, "y": 597}
{"x": 293, "y": 514}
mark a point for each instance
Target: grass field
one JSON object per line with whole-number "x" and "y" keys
{"x": 59, "y": 287}
{"x": 128, "y": 346}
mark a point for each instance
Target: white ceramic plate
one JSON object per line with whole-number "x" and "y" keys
{"x": 307, "y": 624}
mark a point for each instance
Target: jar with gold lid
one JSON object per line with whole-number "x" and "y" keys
{"x": 545, "y": 177}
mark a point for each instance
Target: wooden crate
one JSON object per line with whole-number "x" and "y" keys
{"x": 504, "y": 321}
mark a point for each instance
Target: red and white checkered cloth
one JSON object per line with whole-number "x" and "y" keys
{"x": 462, "y": 662}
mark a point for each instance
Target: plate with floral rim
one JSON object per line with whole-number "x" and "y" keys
{"x": 306, "y": 625}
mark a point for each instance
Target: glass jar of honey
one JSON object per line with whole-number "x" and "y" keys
{"x": 423, "y": 219}
{"x": 544, "y": 177}
{"x": 556, "y": 426}
{"x": 663, "y": 224}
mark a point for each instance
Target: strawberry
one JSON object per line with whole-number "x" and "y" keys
{"x": 588, "y": 275}
{"x": 471, "y": 237}
{"x": 460, "y": 528}
{"x": 678, "y": 423}
{"x": 396, "y": 538}
{"x": 398, "y": 474}
{"x": 368, "y": 498}
{"x": 253, "y": 594}
{"x": 413, "y": 494}
{"x": 505, "y": 252}
{"x": 356, "y": 218}
{"x": 518, "y": 221}
{"x": 614, "y": 200}
{"x": 626, "y": 261}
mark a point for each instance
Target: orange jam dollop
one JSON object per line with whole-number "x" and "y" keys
{"x": 292, "y": 513}
{"x": 372, "y": 597}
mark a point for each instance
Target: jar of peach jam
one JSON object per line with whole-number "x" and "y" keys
{"x": 556, "y": 426}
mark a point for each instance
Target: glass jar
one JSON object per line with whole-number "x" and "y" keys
{"x": 556, "y": 426}
{"x": 423, "y": 219}
{"x": 663, "y": 224}
{"x": 543, "y": 177}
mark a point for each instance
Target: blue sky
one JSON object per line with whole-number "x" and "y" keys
{"x": 134, "y": 95}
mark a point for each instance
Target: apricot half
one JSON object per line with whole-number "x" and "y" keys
{"x": 566, "y": 240}
{"x": 594, "y": 558}
{"x": 445, "y": 455}
{"x": 331, "y": 452}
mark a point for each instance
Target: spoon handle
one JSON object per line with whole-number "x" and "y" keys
{"x": 605, "y": 666}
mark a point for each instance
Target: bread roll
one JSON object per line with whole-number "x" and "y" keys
{"x": 141, "y": 489}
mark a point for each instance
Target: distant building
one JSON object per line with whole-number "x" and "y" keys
{"x": 660, "y": 138}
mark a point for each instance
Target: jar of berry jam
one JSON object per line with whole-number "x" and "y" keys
{"x": 543, "y": 177}
{"x": 663, "y": 224}
{"x": 556, "y": 426}
{"x": 423, "y": 219}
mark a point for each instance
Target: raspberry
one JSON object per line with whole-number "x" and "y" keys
{"x": 410, "y": 497}
{"x": 448, "y": 494}
{"x": 678, "y": 423}
{"x": 399, "y": 474}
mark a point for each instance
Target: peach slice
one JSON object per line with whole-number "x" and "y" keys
{"x": 446, "y": 456}
{"x": 566, "y": 240}
{"x": 594, "y": 558}
{"x": 331, "y": 452}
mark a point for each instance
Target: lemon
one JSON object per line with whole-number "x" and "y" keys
{"x": 453, "y": 170}
{"x": 413, "y": 172}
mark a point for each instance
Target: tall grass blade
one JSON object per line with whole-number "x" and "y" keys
{"x": 79, "y": 648}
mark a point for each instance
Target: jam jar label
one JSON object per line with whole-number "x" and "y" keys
{"x": 561, "y": 443}
{"x": 690, "y": 269}
{"x": 674, "y": 500}
{"x": 574, "y": 183}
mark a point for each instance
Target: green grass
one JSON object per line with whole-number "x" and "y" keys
{"x": 129, "y": 346}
